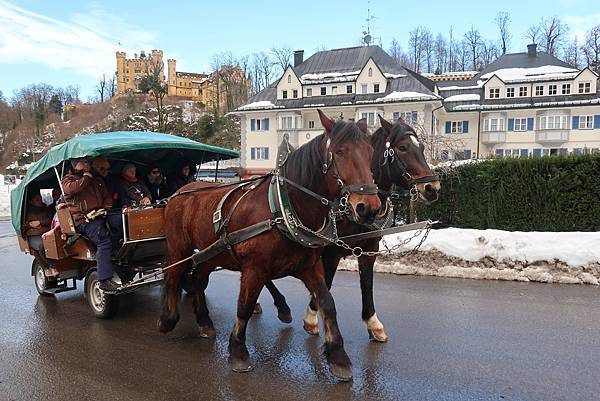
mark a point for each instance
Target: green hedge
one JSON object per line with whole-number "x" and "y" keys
{"x": 536, "y": 194}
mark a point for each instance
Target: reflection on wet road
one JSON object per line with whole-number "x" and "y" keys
{"x": 449, "y": 340}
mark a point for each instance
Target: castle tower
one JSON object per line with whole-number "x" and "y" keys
{"x": 157, "y": 59}
{"x": 172, "y": 79}
{"x": 121, "y": 73}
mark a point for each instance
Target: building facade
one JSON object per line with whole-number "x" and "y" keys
{"x": 350, "y": 83}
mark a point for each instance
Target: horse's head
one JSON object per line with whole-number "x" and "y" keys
{"x": 347, "y": 154}
{"x": 399, "y": 155}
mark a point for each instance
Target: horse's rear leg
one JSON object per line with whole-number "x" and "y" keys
{"x": 338, "y": 360}
{"x": 283, "y": 310}
{"x": 374, "y": 326}
{"x": 205, "y": 324}
{"x": 250, "y": 287}
{"x": 331, "y": 259}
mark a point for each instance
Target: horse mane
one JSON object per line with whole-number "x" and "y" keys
{"x": 305, "y": 165}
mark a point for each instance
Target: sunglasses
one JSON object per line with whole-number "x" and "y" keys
{"x": 155, "y": 172}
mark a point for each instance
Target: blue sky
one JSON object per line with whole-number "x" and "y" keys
{"x": 64, "y": 42}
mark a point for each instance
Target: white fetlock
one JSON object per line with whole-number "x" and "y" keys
{"x": 375, "y": 329}
{"x": 311, "y": 321}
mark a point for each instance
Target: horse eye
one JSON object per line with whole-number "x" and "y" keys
{"x": 339, "y": 153}
{"x": 402, "y": 148}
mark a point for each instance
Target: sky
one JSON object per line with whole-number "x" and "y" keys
{"x": 73, "y": 42}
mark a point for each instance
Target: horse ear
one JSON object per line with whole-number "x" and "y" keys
{"x": 385, "y": 124}
{"x": 326, "y": 121}
{"x": 362, "y": 125}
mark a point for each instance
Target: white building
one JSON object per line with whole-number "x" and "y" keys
{"x": 522, "y": 104}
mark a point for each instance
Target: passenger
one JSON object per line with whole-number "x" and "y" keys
{"x": 101, "y": 167}
{"x": 132, "y": 191}
{"x": 85, "y": 194}
{"x": 183, "y": 175}
{"x": 156, "y": 183}
{"x": 56, "y": 199}
{"x": 37, "y": 221}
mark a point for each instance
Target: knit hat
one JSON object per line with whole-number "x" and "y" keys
{"x": 100, "y": 162}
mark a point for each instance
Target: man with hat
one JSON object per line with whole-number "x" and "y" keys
{"x": 87, "y": 197}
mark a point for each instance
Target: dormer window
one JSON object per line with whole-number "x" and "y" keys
{"x": 522, "y": 91}
{"x": 295, "y": 93}
{"x": 552, "y": 89}
{"x": 370, "y": 72}
{"x": 539, "y": 90}
{"x": 494, "y": 93}
{"x": 284, "y": 94}
{"x": 365, "y": 89}
{"x": 566, "y": 89}
{"x": 308, "y": 92}
{"x": 323, "y": 90}
{"x": 289, "y": 79}
{"x": 585, "y": 87}
{"x": 510, "y": 92}
{"x": 348, "y": 88}
{"x": 375, "y": 88}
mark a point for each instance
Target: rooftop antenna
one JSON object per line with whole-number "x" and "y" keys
{"x": 367, "y": 37}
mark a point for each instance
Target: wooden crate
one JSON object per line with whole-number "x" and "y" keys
{"x": 23, "y": 244}
{"x": 66, "y": 221}
{"x": 54, "y": 241}
{"x": 146, "y": 223}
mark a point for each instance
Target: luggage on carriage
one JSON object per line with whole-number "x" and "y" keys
{"x": 141, "y": 251}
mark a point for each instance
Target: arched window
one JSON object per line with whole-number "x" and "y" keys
{"x": 370, "y": 72}
{"x": 289, "y": 79}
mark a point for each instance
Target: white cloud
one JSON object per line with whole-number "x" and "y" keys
{"x": 85, "y": 44}
{"x": 580, "y": 24}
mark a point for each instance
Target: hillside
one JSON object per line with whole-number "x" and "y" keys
{"x": 131, "y": 113}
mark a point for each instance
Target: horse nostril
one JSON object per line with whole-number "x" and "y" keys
{"x": 361, "y": 208}
{"x": 429, "y": 188}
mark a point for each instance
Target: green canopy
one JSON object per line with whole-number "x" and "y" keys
{"x": 125, "y": 146}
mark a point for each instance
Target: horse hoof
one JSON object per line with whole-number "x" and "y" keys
{"x": 285, "y": 317}
{"x": 257, "y": 309}
{"x": 164, "y": 326}
{"x": 341, "y": 372}
{"x": 240, "y": 365}
{"x": 378, "y": 335}
{"x": 207, "y": 332}
{"x": 312, "y": 329}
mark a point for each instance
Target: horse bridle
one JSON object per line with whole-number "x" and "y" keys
{"x": 399, "y": 166}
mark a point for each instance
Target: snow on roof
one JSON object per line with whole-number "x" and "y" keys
{"x": 463, "y": 98}
{"x": 544, "y": 72}
{"x": 453, "y": 88}
{"x": 329, "y": 77}
{"x": 466, "y": 107}
{"x": 394, "y": 76}
{"x": 405, "y": 96}
{"x": 263, "y": 104}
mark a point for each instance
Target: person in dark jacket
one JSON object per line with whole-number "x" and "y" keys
{"x": 37, "y": 221}
{"x": 132, "y": 190}
{"x": 183, "y": 174}
{"x": 156, "y": 183}
{"x": 86, "y": 195}
{"x": 101, "y": 168}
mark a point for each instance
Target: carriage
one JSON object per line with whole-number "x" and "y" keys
{"x": 141, "y": 255}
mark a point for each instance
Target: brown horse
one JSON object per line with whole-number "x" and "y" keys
{"x": 334, "y": 164}
{"x": 406, "y": 167}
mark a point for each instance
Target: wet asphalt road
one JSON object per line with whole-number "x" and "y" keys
{"x": 450, "y": 339}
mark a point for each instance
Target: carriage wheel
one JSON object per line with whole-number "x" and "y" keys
{"x": 103, "y": 305}
{"x": 42, "y": 283}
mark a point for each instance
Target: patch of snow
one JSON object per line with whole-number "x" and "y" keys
{"x": 394, "y": 76}
{"x": 405, "y": 96}
{"x": 523, "y": 105}
{"x": 314, "y": 105}
{"x": 329, "y": 77}
{"x": 453, "y": 88}
{"x": 455, "y": 163}
{"x": 572, "y": 248}
{"x": 263, "y": 104}
{"x": 544, "y": 72}
{"x": 463, "y": 98}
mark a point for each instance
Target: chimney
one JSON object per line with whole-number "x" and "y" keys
{"x": 532, "y": 50}
{"x": 298, "y": 57}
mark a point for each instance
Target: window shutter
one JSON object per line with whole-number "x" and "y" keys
{"x": 253, "y": 153}
{"x": 448, "y": 127}
{"x": 253, "y": 125}
{"x": 267, "y": 151}
{"x": 524, "y": 152}
{"x": 467, "y": 154}
{"x": 511, "y": 124}
{"x": 265, "y": 124}
{"x": 575, "y": 122}
{"x": 537, "y": 152}
{"x": 465, "y": 127}
{"x": 415, "y": 117}
{"x": 597, "y": 121}
{"x": 530, "y": 124}
{"x": 563, "y": 151}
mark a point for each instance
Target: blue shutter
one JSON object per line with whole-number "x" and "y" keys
{"x": 499, "y": 152}
{"x": 563, "y": 151}
{"x": 537, "y": 152}
{"x": 415, "y": 117}
{"x": 267, "y": 149}
{"x": 577, "y": 151}
{"x": 597, "y": 121}
{"x": 530, "y": 124}
{"x": 511, "y": 124}
{"x": 575, "y": 124}
{"x": 467, "y": 154}
{"x": 265, "y": 124}
{"x": 465, "y": 127}
{"x": 524, "y": 153}
{"x": 253, "y": 125}
{"x": 253, "y": 153}
{"x": 448, "y": 127}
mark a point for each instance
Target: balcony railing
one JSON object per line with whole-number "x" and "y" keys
{"x": 552, "y": 136}
{"x": 492, "y": 137}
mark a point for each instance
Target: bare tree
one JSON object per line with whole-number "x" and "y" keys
{"x": 591, "y": 48}
{"x": 553, "y": 34}
{"x": 264, "y": 69}
{"x": 101, "y": 87}
{"x": 154, "y": 84}
{"x": 283, "y": 56}
{"x": 451, "y": 51}
{"x": 428, "y": 49}
{"x": 571, "y": 53}
{"x": 503, "y": 20}
{"x": 415, "y": 46}
{"x": 112, "y": 86}
{"x": 488, "y": 52}
{"x": 532, "y": 33}
{"x": 395, "y": 50}
{"x": 473, "y": 40}
{"x": 440, "y": 53}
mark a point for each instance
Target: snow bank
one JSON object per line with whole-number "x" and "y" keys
{"x": 5, "y": 197}
{"x": 463, "y": 98}
{"x": 405, "y": 96}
